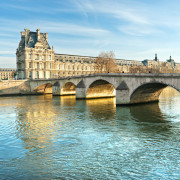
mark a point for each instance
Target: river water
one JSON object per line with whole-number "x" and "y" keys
{"x": 46, "y": 137}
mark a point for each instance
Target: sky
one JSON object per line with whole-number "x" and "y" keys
{"x": 132, "y": 29}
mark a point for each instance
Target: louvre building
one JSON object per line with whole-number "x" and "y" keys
{"x": 37, "y": 60}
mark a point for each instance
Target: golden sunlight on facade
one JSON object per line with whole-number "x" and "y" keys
{"x": 37, "y": 60}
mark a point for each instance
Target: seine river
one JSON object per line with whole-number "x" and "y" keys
{"x": 46, "y": 137}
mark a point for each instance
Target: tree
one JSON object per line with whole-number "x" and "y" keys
{"x": 105, "y": 63}
{"x": 13, "y": 75}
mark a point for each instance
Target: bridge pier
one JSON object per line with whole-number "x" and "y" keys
{"x": 56, "y": 89}
{"x": 122, "y": 94}
{"x": 122, "y": 97}
{"x": 80, "y": 93}
{"x": 81, "y": 90}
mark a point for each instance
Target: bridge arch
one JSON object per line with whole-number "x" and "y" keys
{"x": 68, "y": 88}
{"x": 100, "y": 88}
{"x": 43, "y": 89}
{"x": 148, "y": 92}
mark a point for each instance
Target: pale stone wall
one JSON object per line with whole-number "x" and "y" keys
{"x": 13, "y": 87}
{"x": 36, "y": 60}
{"x": 7, "y": 73}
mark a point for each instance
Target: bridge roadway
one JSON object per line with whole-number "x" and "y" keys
{"x": 128, "y": 88}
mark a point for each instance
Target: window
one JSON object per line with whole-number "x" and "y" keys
{"x": 58, "y": 66}
{"x": 49, "y": 57}
{"x": 77, "y": 67}
{"x": 44, "y": 65}
{"x": 50, "y": 65}
{"x": 29, "y": 65}
{"x": 44, "y": 74}
{"x": 43, "y": 57}
{"x": 30, "y": 74}
{"x": 63, "y": 66}
{"x": 68, "y": 67}
{"x": 37, "y": 75}
{"x": 50, "y": 74}
{"x": 37, "y": 65}
{"x": 73, "y": 67}
{"x": 29, "y": 56}
{"x": 37, "y": 56}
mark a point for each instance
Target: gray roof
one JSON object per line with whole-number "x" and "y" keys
{"x": 31, "y": 39}
{"x": 7, "y": 69}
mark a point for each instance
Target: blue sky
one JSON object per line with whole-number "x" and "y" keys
{"x": 133, "y": 29}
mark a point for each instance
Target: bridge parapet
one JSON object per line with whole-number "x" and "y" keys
{"x": 128, "y": 88}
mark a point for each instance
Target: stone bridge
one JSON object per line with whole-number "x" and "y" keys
{"x": 128, "y": 88}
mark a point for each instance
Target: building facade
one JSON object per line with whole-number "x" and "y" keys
{"x": 36, "y": 60}
{"x": 7, "y": 73}
{"x": 34, "y": 56}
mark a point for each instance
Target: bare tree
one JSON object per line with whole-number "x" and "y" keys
{"x": 105, "y": 63}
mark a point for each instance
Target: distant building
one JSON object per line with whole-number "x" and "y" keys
{"x": 7, "y": 73}
{"x": 36, "y": 60}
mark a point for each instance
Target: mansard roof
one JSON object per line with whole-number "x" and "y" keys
{"x": 30, "y": 39}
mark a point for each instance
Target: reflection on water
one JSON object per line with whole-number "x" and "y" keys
{"x": 46, "y": 137}
{"x": 99, "y": 109}
{"x": 147, "y": 113}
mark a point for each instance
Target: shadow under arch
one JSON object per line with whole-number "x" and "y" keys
{"x": 148, "y": 92}
{"x": 100, "y": 89}
{"x": 44, "y": 89}
{"x": 68, "y": 88}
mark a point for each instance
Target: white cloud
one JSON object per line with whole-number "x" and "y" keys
{"x": 7, "y": 52}
{"x": 73, "y": 29}
{"x": 138, "y": 30}
{"x": 53, "y": 26}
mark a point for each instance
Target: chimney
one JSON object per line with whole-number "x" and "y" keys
{"x": 25, "y": 34}
{"x": 38, "y": 34}
{"x": 46, "y": 36}
{"x": 26, "y": 31}
{"x": 22, "y": 34}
